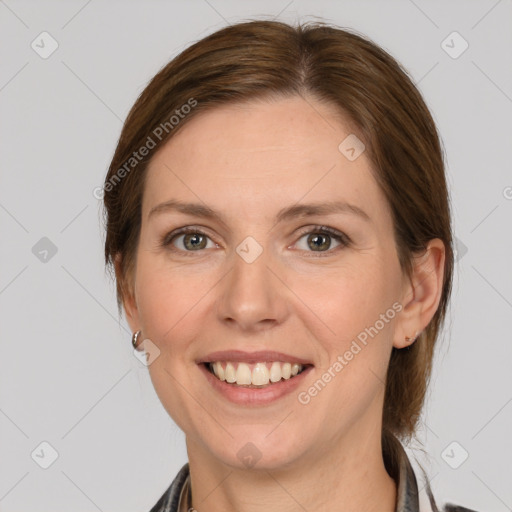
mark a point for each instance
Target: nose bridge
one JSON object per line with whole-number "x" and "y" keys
{"x": 252, "y": 295}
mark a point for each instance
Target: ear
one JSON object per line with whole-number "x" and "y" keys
{"x": 129, "y": 302}
{"x": 421, "y": 294}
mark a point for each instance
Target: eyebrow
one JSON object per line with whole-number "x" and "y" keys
{"x": 287, "y": 213}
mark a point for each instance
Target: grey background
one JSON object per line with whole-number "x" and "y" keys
{"x": 67, "y": 372}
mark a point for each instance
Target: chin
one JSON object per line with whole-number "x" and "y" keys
{"x": 254, "y": 449}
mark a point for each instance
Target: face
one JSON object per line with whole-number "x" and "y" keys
{"x": 318, "y": 286}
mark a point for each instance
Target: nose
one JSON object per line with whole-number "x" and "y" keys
{"x": 252, "y": 297}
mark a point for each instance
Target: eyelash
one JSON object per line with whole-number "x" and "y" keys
{"x": 343, "y": 239}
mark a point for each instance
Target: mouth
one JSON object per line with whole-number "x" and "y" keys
{"x": 256, "y": 375}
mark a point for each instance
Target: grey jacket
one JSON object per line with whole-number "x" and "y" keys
{"x": 407, "y": 492}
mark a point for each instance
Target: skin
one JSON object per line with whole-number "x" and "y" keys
{"x": 248, "y": 161}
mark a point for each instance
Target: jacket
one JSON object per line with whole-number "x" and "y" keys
{"x": 177, "y": 497}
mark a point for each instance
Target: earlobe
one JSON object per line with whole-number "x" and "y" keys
{"x": 422, "y": 294}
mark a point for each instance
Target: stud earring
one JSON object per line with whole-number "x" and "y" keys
{"x": 413, "y": 339}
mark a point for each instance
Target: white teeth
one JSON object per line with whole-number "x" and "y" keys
{"x": 230, "y": 373}
{"x": 275, "y": 372}
{"x": 261, "y": 374}
{"x": 243, "y": 374}
{"x": 219, "y": 371}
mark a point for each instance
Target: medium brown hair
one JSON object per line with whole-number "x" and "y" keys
{"x": 270, "y": 59}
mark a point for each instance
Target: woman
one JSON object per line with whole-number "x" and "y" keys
{"x": 278, "y": 220}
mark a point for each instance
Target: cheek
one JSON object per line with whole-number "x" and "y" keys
{"x": 355, "y": 309}
{"x": 166, "y": 292}
{"x": 170, "y": 308}
{"x": 346, "y": 299}
{"x": 356, "y": 348}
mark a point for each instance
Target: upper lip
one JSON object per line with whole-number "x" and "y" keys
{"x": 251, "y": 357}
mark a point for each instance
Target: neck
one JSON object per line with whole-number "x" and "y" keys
{"x": 341, "y": 475}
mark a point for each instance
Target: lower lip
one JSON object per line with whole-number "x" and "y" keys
{"x": 255, "y": 396}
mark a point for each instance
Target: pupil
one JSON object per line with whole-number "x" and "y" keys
{"x": 316, "y": 237}
{"x": 189, "y": 238}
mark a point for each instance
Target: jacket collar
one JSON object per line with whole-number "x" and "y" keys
{"x": 407, "y": 486}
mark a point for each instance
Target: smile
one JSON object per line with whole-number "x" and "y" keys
{"x": 259, "y": 374}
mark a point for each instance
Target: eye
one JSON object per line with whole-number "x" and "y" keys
{"x": 193, "y": 240}
{"x": 319, "y": 238}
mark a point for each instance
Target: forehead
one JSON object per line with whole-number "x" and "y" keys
{"x": 258, "y": 156}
